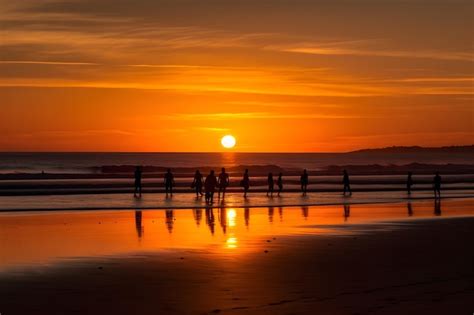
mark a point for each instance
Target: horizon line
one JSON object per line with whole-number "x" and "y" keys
{"x": 244, "y": 152}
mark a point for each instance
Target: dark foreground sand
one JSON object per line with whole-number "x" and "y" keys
{"x": 420, "y": 267}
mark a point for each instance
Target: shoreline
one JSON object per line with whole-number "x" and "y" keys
{"x": 59, "y": 192}
{"x": 217, "y": 206}
{"x": 46, "y": 203}
{"x": 77, "y": 185}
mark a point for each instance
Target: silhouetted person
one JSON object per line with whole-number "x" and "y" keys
{"x": 271, "y": 184}
{"x": 210, "y": 187}
{"x": 437, "y": 185}
{"x": 347, "y": 183}
{"x": 138, "y": 182}
{"x": 347, "y": 211}
{"x": 304, "y": 182}
{"x": 437, "y": 207}
{"x": 197, "y": 183}
{"x": 409, "y": 182}
{"x": 169, "y": 182}
{"x": 280, "y": 184}
{"x": 223, "y": 182}
{"x": 138, "y": 223}
{"x": 410, "y": 209}
{"x": 245, "y": 182}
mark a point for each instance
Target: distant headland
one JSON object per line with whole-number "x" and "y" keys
{"x": 417, "y": 149}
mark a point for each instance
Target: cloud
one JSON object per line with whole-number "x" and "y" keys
{"x": 54, "y": 63}
{"x": 434, "y": 79}
{"x": 252, "y": 115}
{"x": 132, "y": 49}
{"x": 345, "y": 49}
{"x": 75, "y": 133}
{"x": 213, "y": 129}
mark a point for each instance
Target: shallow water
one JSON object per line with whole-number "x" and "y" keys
{"x": 39, "y": 239}
{"x": 78, "y": 162}
{"x": 189, "y": 201}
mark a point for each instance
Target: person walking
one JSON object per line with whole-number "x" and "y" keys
{"x": 409, "y": 182}
{"x": 197, "y": 184}
{"x": 271, "y": 184}
{"x": 223, "y": 182}
{"x": 304, "y": 182}
{"x": 347, "y": 183}
{"x": 245, "y": 182}
{"x": 280, "y": 183}
{"x": 437, "y": 185}
{"x": 138, "y": 182}
{"x": 210, "y": 187}
{"x": 169, "y": 183}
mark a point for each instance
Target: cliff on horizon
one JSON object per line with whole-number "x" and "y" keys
{"x": 467, "y": 149}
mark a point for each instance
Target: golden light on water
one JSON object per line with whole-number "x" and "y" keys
{"x": 231, "y": 215}
{"x": 127, "y": 232}
{"x": 231, "y": 242}
{"x": 228, "y": 141}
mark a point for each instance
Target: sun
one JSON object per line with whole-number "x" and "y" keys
{"x": 228, "y": 141}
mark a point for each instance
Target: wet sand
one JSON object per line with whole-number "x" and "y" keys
{"x": 189, "y": 201}
{"x": 417, "y": 266}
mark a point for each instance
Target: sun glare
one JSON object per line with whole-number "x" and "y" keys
{"x": 228, "y": 141}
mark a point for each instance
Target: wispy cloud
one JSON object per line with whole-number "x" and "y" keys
{"x": 75, "y": 133}
{"x": 285, "y": 104}
{"x": 253, "y": 115}
{"x": 54, "y": 63}
{"x": 434, "y": 79}
{"x": 335, "y": 50}
{"x": 212, "y": 129}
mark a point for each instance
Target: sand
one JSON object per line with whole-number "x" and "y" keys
{"x": 232, "y": 200}
{"x": 424, "y": 266}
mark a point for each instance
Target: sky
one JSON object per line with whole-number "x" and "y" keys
{"x": 279, "y": 75}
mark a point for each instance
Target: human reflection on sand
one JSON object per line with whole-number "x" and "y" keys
{"x": 437, "y": 207}
{"x": 347, "y": 211}
{"x": 30, "y": 238}
{"x": 138, "y": 223}
{"x": 169, "y": 220}
{"x": 197, "y": 216}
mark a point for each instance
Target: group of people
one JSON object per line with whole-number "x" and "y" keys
{"x": 220, "y": 183}
{"x": 210, "y": 183}
{"x": 436, "y": 184}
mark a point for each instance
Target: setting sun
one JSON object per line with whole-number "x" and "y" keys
{"x": 228, "y": 141}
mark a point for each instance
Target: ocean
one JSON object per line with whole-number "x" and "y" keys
{"x": 84, "y": 163}
{"x": 108, "y": 177}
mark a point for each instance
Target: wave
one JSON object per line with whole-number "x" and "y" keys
{"x": 11, "y": 172}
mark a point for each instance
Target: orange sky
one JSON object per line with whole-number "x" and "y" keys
{"x": 280, "y": 75}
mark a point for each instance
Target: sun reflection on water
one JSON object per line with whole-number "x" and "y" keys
{"x": 231, "y": 242}
{"x": 231, "y": 216}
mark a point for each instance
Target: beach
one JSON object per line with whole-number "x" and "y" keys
{"x": 74, "y": 239}
{"x": 240, "y": 157}
{"x": 342, "y": 259}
